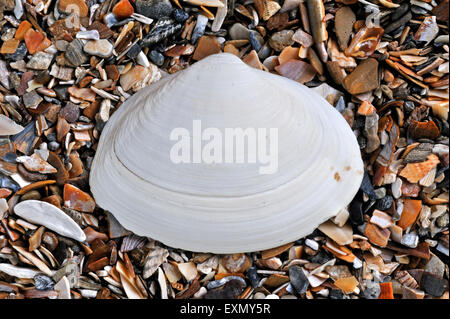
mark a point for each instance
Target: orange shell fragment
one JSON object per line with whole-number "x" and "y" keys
{"x": 347, "y": 285}
{"x": 44, "y": 44}
{"x": 366, "y": 108}
{"x": 10, "y": 46}
{"x": 75, "y": 198}
{"x": 36, "y": 41}
{"x": 22, "y": 29}
{"x": 32, "y": 40}
{"x": 364, "y": 42}
{"x": 411, "y": 209}
{"x": 386, "y": 291}
{"x": 4, "y": 192}
{"x": 426, "y": 129}
{"x": 377, "y": 235}
{"x": 349, "y": 257}
{"x": 414, "y": 172}
{"x": 252, "y": 60}
{"x": 288, "y": 53}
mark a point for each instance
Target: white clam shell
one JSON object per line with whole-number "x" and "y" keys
{"x": 225, "y": 208}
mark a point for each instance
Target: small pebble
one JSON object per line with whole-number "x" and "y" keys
{"x": 155, "y": 9}
{"x": 43, "y": 282}
{"x": 298, "y": 279}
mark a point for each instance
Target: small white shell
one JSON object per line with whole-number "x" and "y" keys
{"x": 225, "y": 208}
{"x": 50, "y": 216}
{"x": 19, "y": 272}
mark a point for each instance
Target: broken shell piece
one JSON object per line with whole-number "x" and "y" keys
{"x": 206, "y": 207}
{"x": 428, "y": 30}
{"x": 75, "y": 198}
{"x": 414, "y": 172}
{"x": 343, "y": 21}
{"x": 206, "y": 3}
{"x": 19, "y": 272}
{"x": 341, "y": 235}
{"x": 8, "y": 126}
{"x": 381, "y": 219}
{"x": 316, "y": 14}
{"x": 266, "y": 8}
{"x": 347, "y": 284}
{"x": 411, "y": 210}
{"x": 220, "y": 16}
{"x": 296, "y": 70}
{"x": 188, "y": 270}
{"x": 35, "y": 163}
{"x": 45, "y": 214}
{"x": 364, "y": 42}
{"x": 63, "y": 288}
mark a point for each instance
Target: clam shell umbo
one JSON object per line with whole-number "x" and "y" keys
{"x": 225, "y": 208}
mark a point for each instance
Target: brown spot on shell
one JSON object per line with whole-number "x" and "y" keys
{"x": 337, "y": 177}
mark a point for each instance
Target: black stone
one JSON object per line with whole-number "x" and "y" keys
{"x": 155, "y": 9}
{"x": 231, "y": 290}
{"x": 134, "y": 51}
{"x": 254, "y": 42}
{"x": 412, "y": 44}
{"x": 180, "y": 15}
{"x": 62, "y": 92}
{"x": 298, "y": 279}
{"x": 356, "y": 213}
{"x": 409, "y": 106}
{"x": 20, "y": 53}
{"x": 399, "y": 11}
{"x": 401, "y": 93}
{"x": 394, "y": 25}
{"x": 419, "y": 10}
{"x": 60, "y": 252}
{"x": 43, "y": 282}
{"x": 156, "y": 57}
{"x": 433, "y": 285}
{"x": 320, "y": 258}
{"x": 366, "y": 186}
{"x": 385, "y": 202}
{"x": 359, "y": 122}
{"x": 6, "y": 182}
{"x": 445, "y": 128}
{"x": 253, "y": 277}
{"x": 43, "y": 77}
{"x": 336, "y": 294}
{"x": 418, "y": 90}
{"x": 362, "y": 142}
